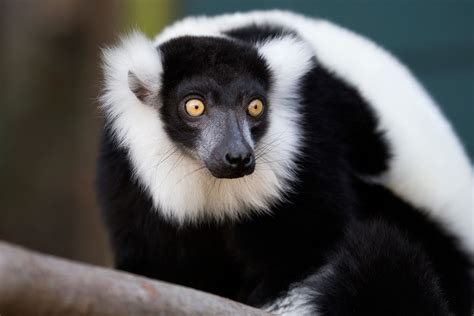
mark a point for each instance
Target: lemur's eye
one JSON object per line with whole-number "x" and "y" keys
{"x": 195, "y": 107}
{"x": 255, "y": 108}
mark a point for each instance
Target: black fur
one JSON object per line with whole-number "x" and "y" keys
{"x": 377, "y": 270}
{"x": 385, "y": 256}
{"x": 259, "y": 33}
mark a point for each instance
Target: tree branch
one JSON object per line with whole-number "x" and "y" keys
{"x": 37, "y": 284}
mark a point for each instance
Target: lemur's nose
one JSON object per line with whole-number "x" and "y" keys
{"x": 241, "y": 160}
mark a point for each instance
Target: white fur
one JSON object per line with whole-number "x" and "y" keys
{"x": 296, "y": 302}
{"x": 179, "y": 185}
{"x": 301, "y": 299}
{"x": 429, "y": 168}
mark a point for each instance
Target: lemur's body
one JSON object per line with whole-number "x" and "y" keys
{"x": 326, "y": 223}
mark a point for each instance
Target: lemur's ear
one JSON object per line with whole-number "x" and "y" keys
{"x": 134, "y": 65}
{"x": 140, "y": 88}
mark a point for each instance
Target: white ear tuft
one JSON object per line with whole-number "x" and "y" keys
{"x": 289, "y": 59}
{"x": 132, "y": 70}
{"x": 144, "y": 91}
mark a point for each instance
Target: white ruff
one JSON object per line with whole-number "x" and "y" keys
{"x": 178, "y": 189}
{"x": 429, "y": 168}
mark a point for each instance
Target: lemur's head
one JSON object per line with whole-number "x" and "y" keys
{"x": 210, "y": 124}
{"x": 213, "y": 102}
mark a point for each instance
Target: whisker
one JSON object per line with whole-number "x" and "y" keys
{"x": 172, "y": 168}
{"x": 189, "y": 174}
{"x": 167, "y": 155}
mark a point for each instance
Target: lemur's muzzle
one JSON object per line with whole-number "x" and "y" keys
{"x": 233, "y": 157}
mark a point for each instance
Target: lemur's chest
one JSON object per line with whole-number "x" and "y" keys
{"x": 265, "y": 254}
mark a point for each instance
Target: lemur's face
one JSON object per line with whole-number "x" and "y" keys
{"x": 214, "y": 102}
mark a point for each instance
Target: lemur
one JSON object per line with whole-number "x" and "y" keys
{"x": 287, "y": 163}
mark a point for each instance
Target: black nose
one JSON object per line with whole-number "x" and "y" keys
{"x": 241, "y": 161}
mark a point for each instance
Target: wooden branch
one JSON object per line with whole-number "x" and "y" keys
{"x": 37, "y": 284}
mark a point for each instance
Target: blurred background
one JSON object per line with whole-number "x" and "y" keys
{"x": 50, "y": 79}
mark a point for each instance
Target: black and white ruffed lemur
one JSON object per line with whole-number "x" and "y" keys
{"x": 286, "y": 163}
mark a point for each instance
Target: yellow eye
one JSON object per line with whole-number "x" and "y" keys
{"x": 195, "y": 107}
{"x": 255, "y": 107}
